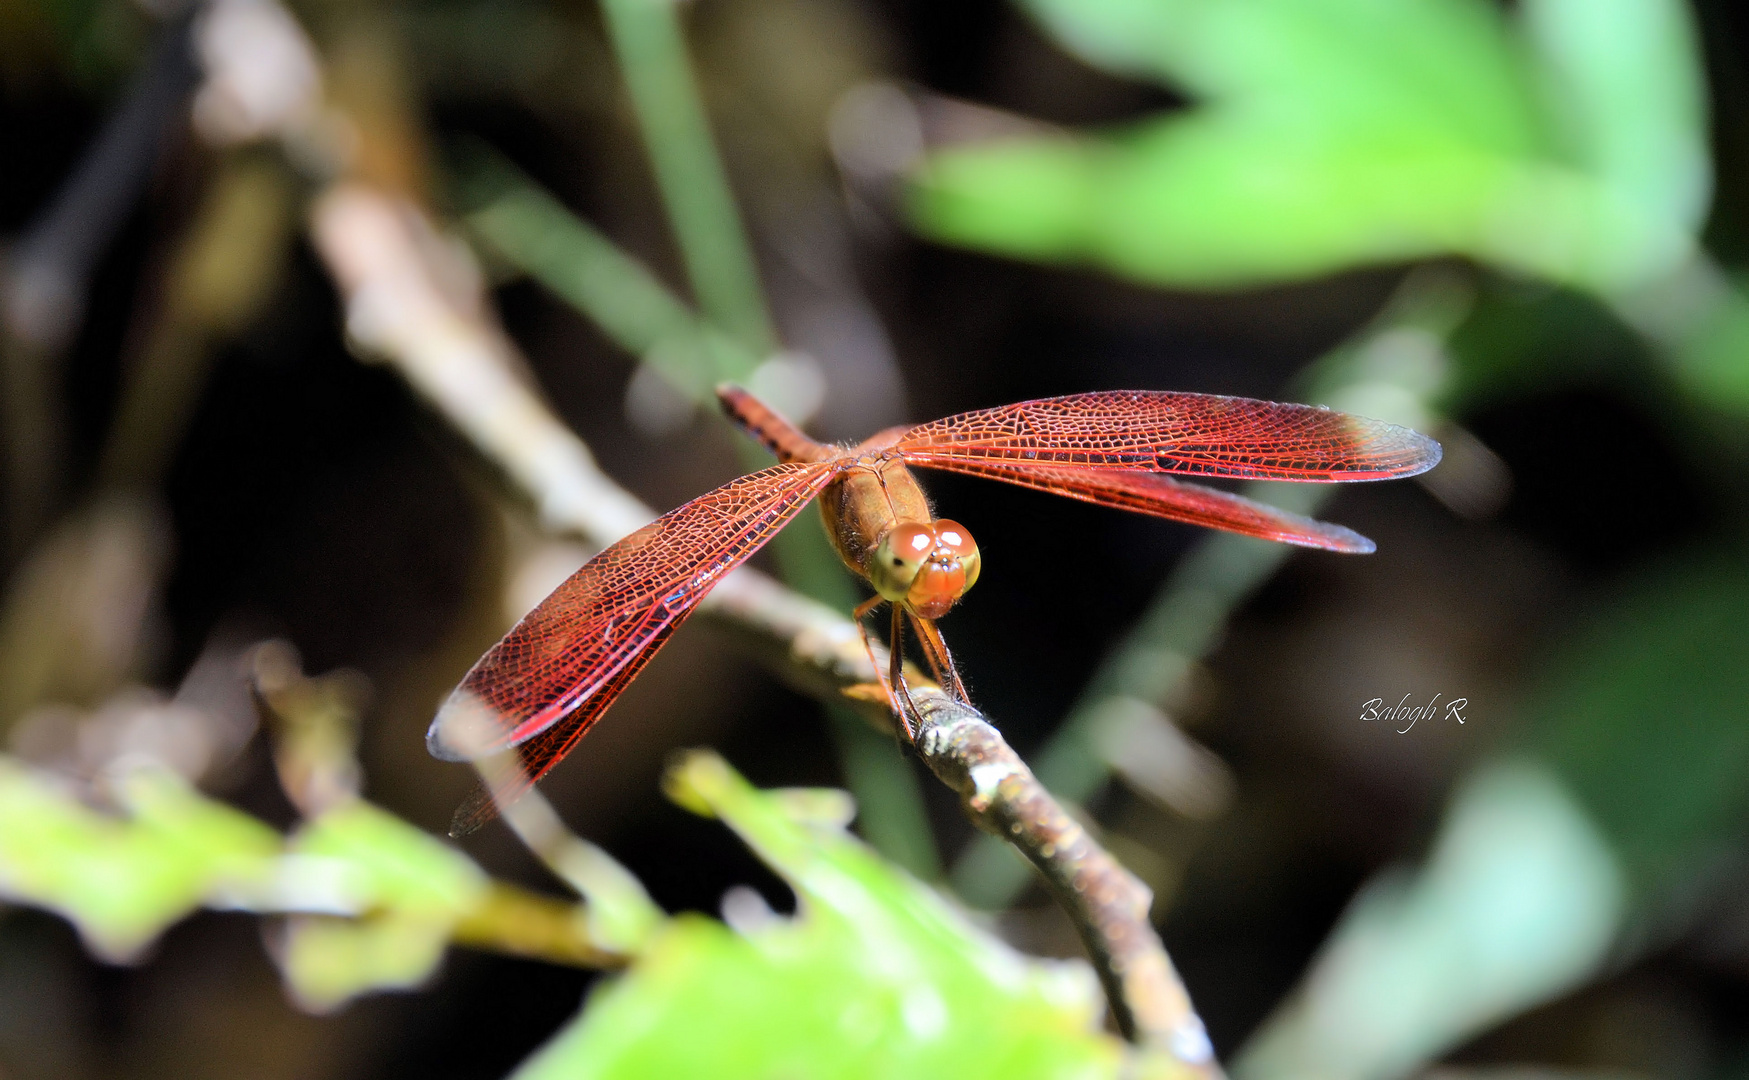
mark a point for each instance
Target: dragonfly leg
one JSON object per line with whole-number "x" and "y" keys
{"x": 897, "y": 675}
{"x": 940, "y": 660}
{"x": 892, "y": 680}
{"x": 861, "y": 613}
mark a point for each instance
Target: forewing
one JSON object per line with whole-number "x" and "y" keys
{"x": 1162, "y": 496}
{"x": 557, "y": 671}
{"x": 1157, "y": 431}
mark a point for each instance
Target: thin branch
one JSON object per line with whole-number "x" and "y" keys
{"x": 1107, "y": 904}
{"x": 406, "y": 316}
{"x": 380, "y": 251}
{"x": 620, "y": 916}
{"x": 504, "y": 919}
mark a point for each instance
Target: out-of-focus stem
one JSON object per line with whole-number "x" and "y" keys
{"x": 397, "y": 309}
{"x": 647, "y": 39}
{"x": 621, "y": 915}
{"x": 617, "y": 292}
{"x": 42, "y": 285}
{"x": 520, "y": 923}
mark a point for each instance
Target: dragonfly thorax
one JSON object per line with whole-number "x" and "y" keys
{"x": 927, "y": 566}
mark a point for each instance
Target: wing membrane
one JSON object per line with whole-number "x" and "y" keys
{"x": 545, "y": 684}
{"x": 1162, "y": 496}
{"x": 1158, "y": 431}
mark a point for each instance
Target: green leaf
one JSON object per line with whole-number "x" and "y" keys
{"x": 1625, "y": 80}
{"x": 1342, "y": 133}
{"x": 1714, "y": 359}
{"x": 1220, "y": 201}
{"x": 1443, "y": 66}
{"x": 875, "y": 976}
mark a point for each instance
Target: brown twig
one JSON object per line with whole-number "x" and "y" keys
{"x": 1107, "y": 904}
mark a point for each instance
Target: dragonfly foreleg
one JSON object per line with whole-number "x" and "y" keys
{"x": 940, "y": 660}
{"x": 908, "y": 714}
{"x": 860, "y": 615}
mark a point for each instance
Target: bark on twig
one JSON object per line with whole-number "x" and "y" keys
{"x": 1107, "y": 904}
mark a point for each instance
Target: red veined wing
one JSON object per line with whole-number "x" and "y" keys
{"x": 1162, "y": 496}
{"x": 545, "y": 684}
{"x": 1159, "y": 431}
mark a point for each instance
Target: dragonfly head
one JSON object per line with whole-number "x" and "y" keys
{"x": 926, "y": 567}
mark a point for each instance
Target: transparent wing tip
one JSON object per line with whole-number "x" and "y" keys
{"x": 1349, "y": 542}
{"x": 475, "y": 811}
{"x": 1324, "y": 536}
{"x": 1391, "y": 452}
{"x": 1426, "y": 453}
{"x": 465, "y": 728}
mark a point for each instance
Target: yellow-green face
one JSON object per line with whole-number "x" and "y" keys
{"x": 926, "y": 567}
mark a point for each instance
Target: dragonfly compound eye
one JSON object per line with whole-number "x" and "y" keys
{"x": 951, "y": 568}
{"x": 953, "y": 540}
{"x": 898, "y": 557}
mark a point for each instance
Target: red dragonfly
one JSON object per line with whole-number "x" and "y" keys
{"x": 545, "y": 685}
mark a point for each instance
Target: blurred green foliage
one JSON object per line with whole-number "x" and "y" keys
{"x": 372, "y": 899}
{"x": 1624, "y": 810}
{"x": 1567, "y": 142}
{"x": 1644, "y": 713}
{"x": 122, "y": 880}
{"x": 517, "y": 221}
{"x": 1564, "y": 140}
{"x": 1520, "y": 899}
{"x": 407, "y": 888}
{"x": 875, "y": 976}
{"x": 647, "y": 39}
